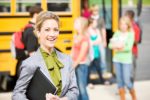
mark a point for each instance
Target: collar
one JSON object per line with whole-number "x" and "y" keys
{"x": 51, "y": 60}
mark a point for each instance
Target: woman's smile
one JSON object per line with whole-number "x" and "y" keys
{"x": 51, "y": 39}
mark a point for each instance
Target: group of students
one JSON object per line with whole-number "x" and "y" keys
{"x": 88, "y": 49}
{"x": 89, "y": 45}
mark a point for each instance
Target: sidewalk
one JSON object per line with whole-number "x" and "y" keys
{"x": 103, "y": 92}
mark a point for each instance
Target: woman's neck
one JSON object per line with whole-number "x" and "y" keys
{"x": 47, "y": 50}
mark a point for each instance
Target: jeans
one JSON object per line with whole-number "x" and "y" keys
{"x": 96, "y": 65}
{"x": 82, "y": 74}
{"x": 133, "y": 71}
{"x": 123, "y": 75}
{"x": 103, "y": 59}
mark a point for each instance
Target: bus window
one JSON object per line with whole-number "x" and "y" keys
{"x": 24, "y": 5}
{"x": 4, "y": 6}
{"x": 59, "y": 5}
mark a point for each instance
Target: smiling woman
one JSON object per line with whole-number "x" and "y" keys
{"x": 56, "y": 66}
{"x": 14, "y": 15}
{"x": 48, "y": 33}
{"x": 47, "y": 30}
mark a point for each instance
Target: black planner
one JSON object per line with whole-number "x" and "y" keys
{"x": 39, "y": 86}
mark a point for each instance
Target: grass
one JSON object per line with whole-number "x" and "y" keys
{"x": 145, "y": 2}
{"x": 124, "y": 2}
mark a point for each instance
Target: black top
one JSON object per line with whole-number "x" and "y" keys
{"x": 29, "y": 39}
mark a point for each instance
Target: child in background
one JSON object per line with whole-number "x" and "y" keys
{"x": 95, "y": 42}
{"x": 122, "y": 43}
{"x": 79, "y": 54}
{"x": 136, "y": 29}
{"x": 86, "y": 12}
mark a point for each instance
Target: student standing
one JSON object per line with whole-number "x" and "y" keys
{"x": 79, "y": 53}
{"x": 136, "y": 29}
{"x": 122, "y": 43}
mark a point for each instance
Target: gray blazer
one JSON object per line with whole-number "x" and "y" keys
{"x": 28, "y": 67}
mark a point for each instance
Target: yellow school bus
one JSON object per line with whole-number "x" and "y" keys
{"x": 14, "y": 16}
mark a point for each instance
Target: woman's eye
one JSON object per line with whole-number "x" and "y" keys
{"x": 56, "y": 30}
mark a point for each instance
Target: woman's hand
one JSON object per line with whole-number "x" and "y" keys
{"x": 50, "y": 96}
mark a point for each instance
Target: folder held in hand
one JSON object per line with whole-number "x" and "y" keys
{"x": 39, "y": 86}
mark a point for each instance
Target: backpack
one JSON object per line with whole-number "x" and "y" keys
{"x": 139, "y": 24}
{"x": 17, "y": 45}
{"x": 141, "y": 32}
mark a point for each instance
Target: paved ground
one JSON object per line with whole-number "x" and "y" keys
{"x": 110, "y": 92}
{"x": 101, "y": 92}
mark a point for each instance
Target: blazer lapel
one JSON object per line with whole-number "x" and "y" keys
{"x": 42, "y": 65}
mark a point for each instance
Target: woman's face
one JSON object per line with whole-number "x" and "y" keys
{"x": 123, "y": 26}
{"x": 48, "y": 34}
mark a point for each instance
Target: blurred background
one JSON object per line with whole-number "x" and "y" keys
{"x": 14, "y": 16}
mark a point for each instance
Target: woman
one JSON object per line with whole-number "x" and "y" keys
{"x": 122, "y": 43}
{"x": 79, "y": 54}
{"x": 56, "y": 66}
